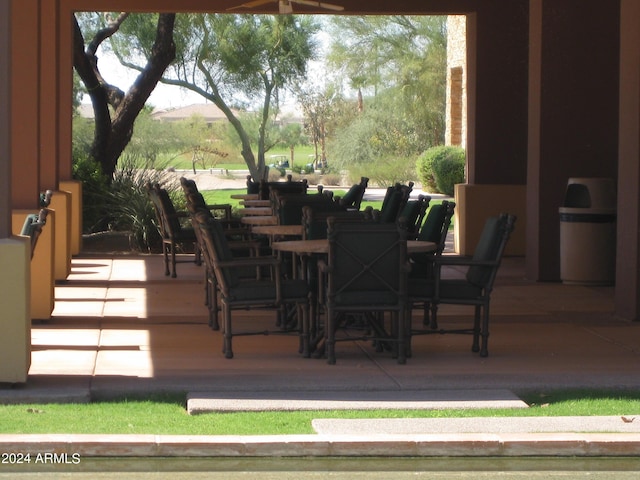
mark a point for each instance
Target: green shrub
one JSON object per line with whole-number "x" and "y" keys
{"x": 384, "y": 172}
{"x": 123, "y": 204}
{"x": 132, "y": 211}
{"x": 333, "y": 179}
{"x": 275, "y": 174}
{"x": 440, "y": 168}
{"x": 95, "y": 186}
{"x": 448, "y": 171}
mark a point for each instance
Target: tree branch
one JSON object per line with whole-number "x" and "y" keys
{"x": 113, "y": 25}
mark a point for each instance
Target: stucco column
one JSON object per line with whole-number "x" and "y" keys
{"x": 15, "y": 318}
{"x": 627, "y": 300}
{"x": 5, "y": 117}
{"x": 573, "y": 114}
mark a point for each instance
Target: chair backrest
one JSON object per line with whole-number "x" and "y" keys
{"x": 289, "y": 208}
{"x": 394, "y": 201}
{"x": 353, "y": 198}
{"x": 188, "y": 185}
{"x": 288, "y": 186}
{"x": 253, "y": 188}
{"x": 314, "y": 220}
{"x": 217, "y": 249}
{"x": 436, "y": 224}
{"x": 169, "y": 213}
{"x": 367, "y": 264}
{"x": 489, "y": 249}
{"x": 413, "y": 214}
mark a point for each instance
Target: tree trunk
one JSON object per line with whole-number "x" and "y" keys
{"x": 112, "y": 135}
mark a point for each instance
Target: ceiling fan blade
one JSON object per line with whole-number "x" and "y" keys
{"x": 326, "y": 6}
{"x": 254, "y": 3}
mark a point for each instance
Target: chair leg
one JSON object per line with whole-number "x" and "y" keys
{"x": 305, "y": 330}
{"x": 425, "y": 313}
{"x": 408, "y": 325}
{"x": 434, "y": 316}
{"x": 227, "y": 333}
{"x": 402, "y": 348}
{"x": 214, "y": 308}
{"x": 198, "y": 254}
{"x": 165, "y": 256}
{"x": 330, "y": 339}
{"x": 173, "y": 260}
{"x": 484, "y": 349}
{"x": 475, "y": 347}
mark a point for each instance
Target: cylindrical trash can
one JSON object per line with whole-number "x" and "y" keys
{"x": 588, "y": 232}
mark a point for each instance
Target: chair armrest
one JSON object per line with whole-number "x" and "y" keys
{"x": 245, "y": 245}
{"x": 441, "y": 260}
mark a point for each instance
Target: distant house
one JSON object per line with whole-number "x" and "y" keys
{"x": 85, "y": 110}
{"x": 210, "y": 112}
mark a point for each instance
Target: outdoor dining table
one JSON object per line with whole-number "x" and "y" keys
{"x": 277, "y": 230}
{"x": 302, "y": 247}
{"x": 256, "y": 203}
{"x": 255, "y": 211}
{"x": 321, "y": 246}
{"x": 259, "y": 220}
{"x": 245, "y": 196}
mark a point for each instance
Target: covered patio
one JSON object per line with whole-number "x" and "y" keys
{"x": 553, "y": 93}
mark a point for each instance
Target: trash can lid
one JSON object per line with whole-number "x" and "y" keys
{"x": 585, "y": 192}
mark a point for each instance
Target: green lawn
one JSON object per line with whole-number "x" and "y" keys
{"x": 224, "y": 196}
{"x": 166, "y": 414}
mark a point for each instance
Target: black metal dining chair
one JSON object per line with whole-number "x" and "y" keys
{"x": 413, "y": 214}
{"x": 174, "y": 233}
{"x": 434, "y": 229}
{"x": 353, "y": 198}
{"x": 474, "y": 289}
{"x": 365, "y": 273}
{"x": 237, "y": 292}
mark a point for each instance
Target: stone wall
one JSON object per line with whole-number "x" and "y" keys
{"x": 456, "y": 120}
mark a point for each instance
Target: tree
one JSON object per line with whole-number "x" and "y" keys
{"x": 237, "y": 61}
{"x": 318, "y": 108}
{"x": 116, "y": 111}
{"x": 398, "y": 62}
{"x": 291, "y": 135}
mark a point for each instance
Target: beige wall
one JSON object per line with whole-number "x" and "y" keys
{"x": 456, "y": 128}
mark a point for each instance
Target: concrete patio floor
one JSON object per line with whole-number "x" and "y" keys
{"x": 120, "y": 325}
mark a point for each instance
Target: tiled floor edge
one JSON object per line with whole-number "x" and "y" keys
{"x": 424, "y": 445}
